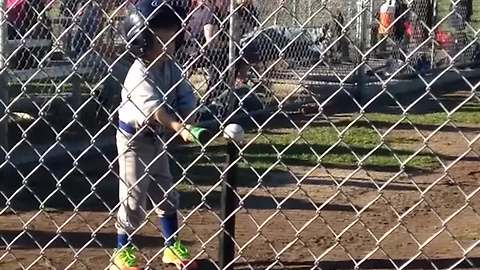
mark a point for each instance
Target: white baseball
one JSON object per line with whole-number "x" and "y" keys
{"x": 234, "y": 132}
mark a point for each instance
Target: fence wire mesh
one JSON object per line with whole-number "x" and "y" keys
{"x": 361, "y": 148}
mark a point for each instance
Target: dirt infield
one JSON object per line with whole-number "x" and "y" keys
{"x": 364, "y": 233}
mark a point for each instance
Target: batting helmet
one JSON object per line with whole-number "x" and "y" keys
{"x": 147, "y": 14}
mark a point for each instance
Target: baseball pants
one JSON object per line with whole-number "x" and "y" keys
{"x": 144, "y": 173}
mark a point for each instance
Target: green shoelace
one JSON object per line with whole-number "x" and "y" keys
{"x": 180, "y": 250}
{"x": 127, "y": 255}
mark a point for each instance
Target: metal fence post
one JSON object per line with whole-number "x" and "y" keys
{"x": 434, "y": 21}
{"x": 294, "y": 10}
{"x": 309, "y": 8}
{"x": 362, "y": 36}
{"x": 275, "y": 17}
{"x": 233, "y": 33}
{"x": 4, "y": 95}
{"x": 370, "y": 20}
{"x": 228, "y": 202}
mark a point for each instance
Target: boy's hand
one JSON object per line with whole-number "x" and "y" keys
{"x": 197, "y": 135}
{"x": 189, "y": 133}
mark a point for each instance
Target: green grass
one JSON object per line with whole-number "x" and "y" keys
{"x": 312, "y": 147}
{"x": 356, "y": 146}
{"x": 467, "y": 115}
{"x": 332, "y": 148}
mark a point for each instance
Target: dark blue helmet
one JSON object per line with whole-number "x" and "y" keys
{"x": 147, "y": 14}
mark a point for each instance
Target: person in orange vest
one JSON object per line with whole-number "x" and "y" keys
{"x": 387, "y": 16}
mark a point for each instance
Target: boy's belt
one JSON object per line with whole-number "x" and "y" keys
{"x": 126, "y": 127}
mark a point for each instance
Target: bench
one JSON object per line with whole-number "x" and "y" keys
{"x": 28, "y": 43}
{"x": 53, "y": 71}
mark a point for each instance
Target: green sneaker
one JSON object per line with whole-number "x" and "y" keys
{"x": 125, "y": 259}
{"x": 178, "y": 255}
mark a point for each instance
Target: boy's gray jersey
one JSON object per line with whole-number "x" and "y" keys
{"x": 144, "y": 91}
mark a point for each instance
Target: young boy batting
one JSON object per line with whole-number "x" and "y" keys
{"x": 155, "y": 99}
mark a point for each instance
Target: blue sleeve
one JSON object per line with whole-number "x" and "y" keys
{"x": 186, "y": 101}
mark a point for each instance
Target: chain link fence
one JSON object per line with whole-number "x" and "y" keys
{"x": 361, "y": 148}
